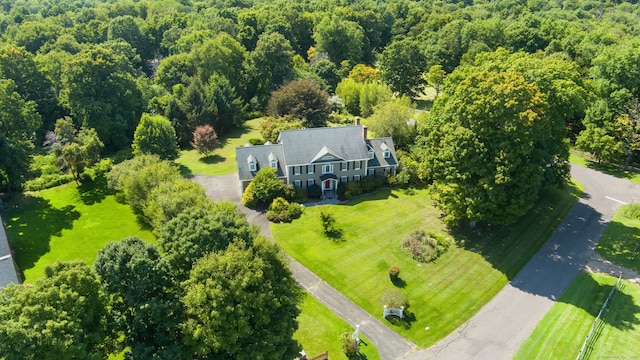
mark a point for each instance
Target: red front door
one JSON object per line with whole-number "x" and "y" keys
{"x": 327, "y": 184}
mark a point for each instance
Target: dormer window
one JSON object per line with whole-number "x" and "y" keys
{"x": 253, "y": 163}
{"x": 273, "y": 161}
{"x": 371, "y": 153}
{"x": 386, "y": 152}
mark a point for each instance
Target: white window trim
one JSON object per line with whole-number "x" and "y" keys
{"x": 371, "y": 154}
{"x": 356, "y": 177}
{"x": 310, "y": 169}
{"x": 296, "y": 170}
{"x": 344, "y": 179}
{"x": 357, "y": 165}
{"x": 297, "y": 183}
{"x": 387, "y": 154}
{"x": 327, "y": 168}
{"x": 274, "y": 164}
{"x": 344, "y": 166}
{"x": 252, "y": 166}
{"x": 371, "y": 172}
{"x": 310, "y": 182}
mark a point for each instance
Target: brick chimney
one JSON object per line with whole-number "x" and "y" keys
{"x": 357, "y": 120}
{"x": 364, "y": 132}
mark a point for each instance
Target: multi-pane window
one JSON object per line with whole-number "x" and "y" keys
{"x": 357, "y": 165}
{"x": 296, "y": 170}
{"x": 297, "y": 183}
{"x": 310, "y": 169}
{"x": 372, "y": 172}
{"x": 327, "y": 169}
{"x": 344, "y": 166}
{"x": 343, "y": 179}
{"x": 252, "y": 166}
{"x": 356, "y": 177}
{"x": 387, "y": 154}
{"x": 310, "y": 182}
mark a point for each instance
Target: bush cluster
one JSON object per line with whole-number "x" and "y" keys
{"x": 314, "y": 191}
{"x": 632, "y": 211}
{"x": 281, "y": 210}
{"x": 425, "y": 247}
{"x": 366, "y": 185}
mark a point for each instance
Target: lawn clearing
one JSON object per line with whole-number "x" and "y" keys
{"x": 561, "y": 333}
{"x": 319, "y": 330}
{"x": 222, "y": 160}
{"x": 65, "y": 223}
{"x": 443, "y": 294}
{"x": 621, "y": 238}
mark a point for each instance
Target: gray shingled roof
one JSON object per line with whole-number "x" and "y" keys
{"x": 8, "y": 272}
{"x": 378, "y": 146}
{"x": 261, "y": 153}
{"x": 302, "y": 146}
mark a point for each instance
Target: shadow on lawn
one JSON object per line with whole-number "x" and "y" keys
{"x": 212, "y": 159}
{"x": 31, "y": 226}
{"x": 613, "y": 170}
{"x": 405, "y": 322}
{"x": 94, "y": 191}
{"x": 509, "y": 248}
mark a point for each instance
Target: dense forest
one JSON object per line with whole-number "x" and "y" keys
{"x": 104, "y": 63}
{"x": 483, "y": 99}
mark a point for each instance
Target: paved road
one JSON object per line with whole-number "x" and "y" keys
{"x": 499, "y": 328}
{"x": 390, "y": 345}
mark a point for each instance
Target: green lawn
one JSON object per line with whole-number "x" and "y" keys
{"x": 620, "y": 239}
{"x": 319, "y": 330}
{"x": 561, "y": 333}
{"x": 443, "y": 294}
{"x": 66, "y": 222}
{"x": 223, "y": 160}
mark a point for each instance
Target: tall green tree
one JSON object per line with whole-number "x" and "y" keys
{"x": 268, "y": 67}
{"x": 341, "y": 39}
{"x": 394, "y": 118}
{"x": 242, "y": 303}
{"x": 401, "y": 66}
{"x": 192, "y": 234}
{"x": 64, "y": 315}
{"x": 19, "y": 121}
{"x": 143, "y": 298}
{"x": 155, "y": 135}
{"x": 19, "y": 65}
{"x": 482, "y": 147}
{"x": 109, "y": 102}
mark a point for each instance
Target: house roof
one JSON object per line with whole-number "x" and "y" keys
{"x": 379, "y": 146}
{"x": 305, "y": 146}
{"x": 8, "y": 271}
{"x": 260, "y": 154}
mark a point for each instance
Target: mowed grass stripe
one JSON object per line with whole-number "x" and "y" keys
{"x": 65, "y": 223}
{"x": 443, "y": 294}
{"x": 561, "y": 333}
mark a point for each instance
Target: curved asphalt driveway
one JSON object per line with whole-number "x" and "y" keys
{"x": 389, "y": 344}
{"x": 499, "y": 328}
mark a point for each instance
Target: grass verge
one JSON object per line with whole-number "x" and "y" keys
{"x": 621, "y": 239}
{"x": 561, "y": 333}
{"x": 222, "y": 160}
{"x": 583, "y": 159}
{"x": 65, "y": 223}
{"x": 443, "y": 294}
{"x": 319, "y": 330}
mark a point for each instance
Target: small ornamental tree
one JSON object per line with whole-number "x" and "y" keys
{"x": 205, "y": 139}
{"x": 264, "y": 187}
